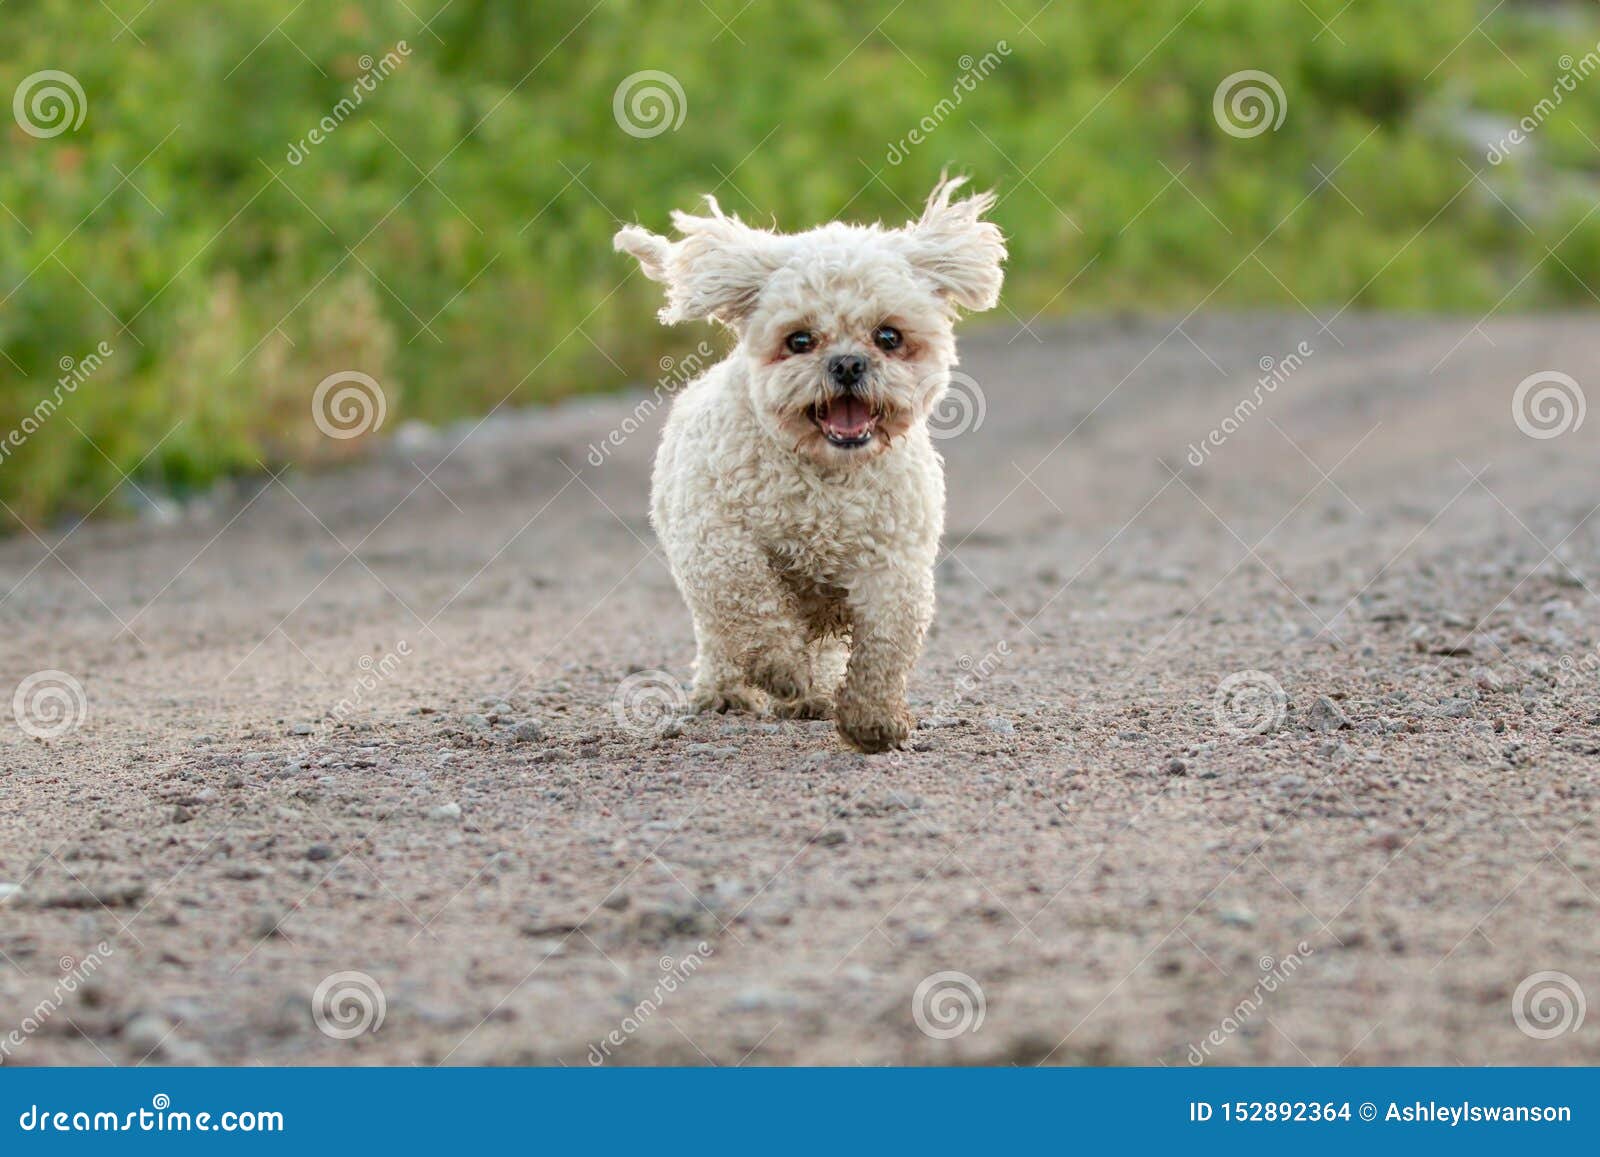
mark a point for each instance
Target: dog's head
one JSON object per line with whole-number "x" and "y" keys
{"x": 847, "y": 329}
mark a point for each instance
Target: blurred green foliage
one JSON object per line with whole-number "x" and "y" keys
{"x": 451, "y": 235}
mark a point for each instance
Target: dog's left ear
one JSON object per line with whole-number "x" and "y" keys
{"x": 954, "y": 248}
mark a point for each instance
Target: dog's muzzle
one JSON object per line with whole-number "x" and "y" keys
{"x": 845, "y": 420}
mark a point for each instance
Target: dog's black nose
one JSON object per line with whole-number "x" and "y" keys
{"x": 847, "y": 369}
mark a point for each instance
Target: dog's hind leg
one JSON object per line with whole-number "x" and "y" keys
{"x": 829, "y": 654}
{"x": 747, "y": 631}
{"x": 720, "y": 680}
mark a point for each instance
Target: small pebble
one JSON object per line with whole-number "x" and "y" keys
{"x": 763, "y": 1000}
{"x": 528, "y": 731}
{"x": 145, "y": 1033}
{"x": 445, "y": 811}
{"x": 1238, "y": 917}
{"x": 1326, "y": 715}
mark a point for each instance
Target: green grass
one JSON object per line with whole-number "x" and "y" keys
{"x": 452, "y": 236}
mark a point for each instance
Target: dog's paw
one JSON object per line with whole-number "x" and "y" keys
{"x": 873, "y": 728}
{"x": 725, "y": 699}
{"x": 812, "y": 706}
{"x": 781, "y": 677}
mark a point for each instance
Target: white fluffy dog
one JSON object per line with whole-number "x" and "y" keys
{"x": 797, "y": 492}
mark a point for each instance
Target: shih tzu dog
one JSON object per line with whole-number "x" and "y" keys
{"x": 797, "y": 492}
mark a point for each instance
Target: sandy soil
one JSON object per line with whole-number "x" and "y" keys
{"x": 1104, "y": 851}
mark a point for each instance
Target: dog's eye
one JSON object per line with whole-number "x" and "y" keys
{"x": 800, "y": 342}
{"x": 887, "y": 337}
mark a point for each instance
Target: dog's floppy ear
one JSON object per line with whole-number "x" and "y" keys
{"x": 954, "y": 248}
{"x": 716, "y": 270}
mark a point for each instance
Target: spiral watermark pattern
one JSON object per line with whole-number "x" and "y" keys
{"x": 49, "y": 704}
{"x": 1548, "y": 404}
{"x": 647, "y": 701}
{"x": 1547, "y": 1005}
{"x": 347, "y": 1004}
{"x": 947, "y": 1004}
{"x": 49, "y": 103}
{"x": 1248, "y": 103}
{"x": 959, "y": 409}
{"x": 649, "y": 103}
{"x": 348, "y": 404}
{"x": 1249, "y": 703}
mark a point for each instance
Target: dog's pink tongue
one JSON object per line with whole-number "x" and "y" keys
{"x": 849, "y": 417}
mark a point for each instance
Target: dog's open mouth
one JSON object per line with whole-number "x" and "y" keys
{"x": 845, "y": 421}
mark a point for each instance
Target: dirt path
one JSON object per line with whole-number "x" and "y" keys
{"x": 1102, "y": 852}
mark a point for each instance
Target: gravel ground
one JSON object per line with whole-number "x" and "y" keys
{"x": 362, "y": 723}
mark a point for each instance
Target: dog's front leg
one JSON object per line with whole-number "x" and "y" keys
{"x": 890, "y": 609}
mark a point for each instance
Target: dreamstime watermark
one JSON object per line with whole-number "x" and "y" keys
{"x": 348, "y": 404}
{"x": 1249, "y": 703}
{"x": 648, "y": 702}
{"x": 74, "y": 974}
{"x": 47, "y": 104}
{"x": 649, "y": 103}
{"x": 1274, "y": 974}
{"x": 74, "y": 372}
{"x": 1548, "y": 404}
{"x": 974, "y": 674}
{"x": 371, "y": 674}
{"x": 973, "y": 73}
{"x": 1572, "y": 71}
{"x": 49, "y": 704}
{"x": 1274, "y": 373}
{"x": 678, "y": 372}
{"x": 948, "y": 1004}
{"x": 960, "y": 407}
{"x": 347, "y": 1004}
{"x": 674, "y": 973}
{"x": 1547, "y": 1005}
{"x": 1248, "y": 103}
{"x": 1568, "y": 666}
{"x": 372, "y": 74}
{"x": 155, "y": 1119}
{"x": 374, "y": 673}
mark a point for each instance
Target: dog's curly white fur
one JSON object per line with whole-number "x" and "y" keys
{"x": 797, "y": 491}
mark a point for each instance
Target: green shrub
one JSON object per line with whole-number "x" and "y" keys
{"x": 451, "y": 235}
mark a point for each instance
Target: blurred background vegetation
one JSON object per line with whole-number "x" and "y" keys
{"x": 452, "y": 236}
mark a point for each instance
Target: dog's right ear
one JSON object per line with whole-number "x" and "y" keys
{"x": 717, "y": 269}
